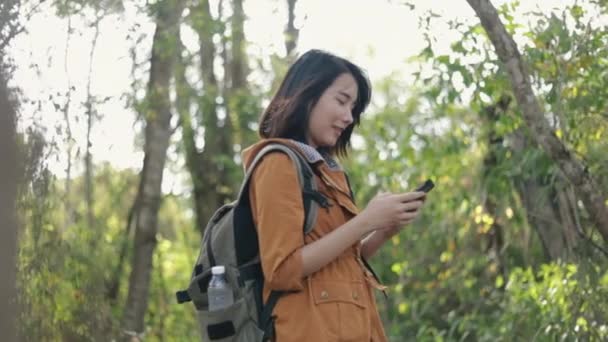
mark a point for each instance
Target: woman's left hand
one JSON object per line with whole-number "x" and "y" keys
{"x": 392, "y": 230}
{"x": 373, "y": 242}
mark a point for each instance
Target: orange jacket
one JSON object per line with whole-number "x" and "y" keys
{"x": 337, "y": 302}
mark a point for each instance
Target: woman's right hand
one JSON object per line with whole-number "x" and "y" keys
{"x": 387, "y": 210}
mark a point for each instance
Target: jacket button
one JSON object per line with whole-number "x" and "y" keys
{"x": 355, "y": 296}
{"x": 324, "y": 295}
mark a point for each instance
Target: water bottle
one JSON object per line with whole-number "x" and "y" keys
{"x": 219, "y": 291}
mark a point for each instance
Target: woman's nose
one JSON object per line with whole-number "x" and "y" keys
{"x": 348, "y": 116}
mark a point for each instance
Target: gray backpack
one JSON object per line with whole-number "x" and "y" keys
{"x": 230, "y": 239}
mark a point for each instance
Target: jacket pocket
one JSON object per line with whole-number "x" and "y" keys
{"x": 342, "y": 307}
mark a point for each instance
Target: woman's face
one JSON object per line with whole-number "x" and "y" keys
{"x": 333, "y": 112}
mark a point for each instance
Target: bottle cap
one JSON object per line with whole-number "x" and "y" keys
{"x": 218, "y": 270}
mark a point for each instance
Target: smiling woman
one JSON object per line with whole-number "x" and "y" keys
{"x": 325, "y": 284}
{"x": 332, "y": 114}
{"x": 322, "y": 92}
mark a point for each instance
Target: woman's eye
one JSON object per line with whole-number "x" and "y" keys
{"x": 341, "y": 102}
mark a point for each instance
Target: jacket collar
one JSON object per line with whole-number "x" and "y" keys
{"x": 313, "y": 155}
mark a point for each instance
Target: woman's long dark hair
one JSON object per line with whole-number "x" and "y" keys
{"x": 309, "y": 76}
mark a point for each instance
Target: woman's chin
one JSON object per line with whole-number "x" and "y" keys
{"x": 331, "y": 143}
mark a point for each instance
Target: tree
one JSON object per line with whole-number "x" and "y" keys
{"x": 495, "y": 235}
{"x": 291, "y": 32}
{"x": 225, "y": 122}
{"x": 573, "y": 168}
{"x": 547, "y": 206}
{"x": 9, "y": 28}
{"x": 91, "y": 113}
{"x": 550, "y": 212}
{"x": 557, "y": 46}
{"x": 8, "y": 222}
{"x": 101, "y": 9}
{"x": 157, "y": 133}
{"x": 200, "y": 160}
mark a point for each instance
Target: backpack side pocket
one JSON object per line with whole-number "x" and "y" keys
{"x": 231, "y": 324}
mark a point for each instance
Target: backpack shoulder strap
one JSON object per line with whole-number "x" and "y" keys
{"x": 310, "y": 196}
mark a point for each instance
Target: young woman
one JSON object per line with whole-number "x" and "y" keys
{"x": 330, "y": 290}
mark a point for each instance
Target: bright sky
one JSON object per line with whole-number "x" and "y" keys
{"x": 379, "y": 35}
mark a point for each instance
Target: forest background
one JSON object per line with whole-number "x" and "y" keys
{"x": 123, "y": 122}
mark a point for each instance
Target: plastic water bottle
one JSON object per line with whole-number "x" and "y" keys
{"x": 219, "y": 291}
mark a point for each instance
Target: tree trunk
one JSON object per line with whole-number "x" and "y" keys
{"x": 113, "y": 284}
{"x": 203, "y": 173}
{"x": 9, "y": 179}
{"x": 565, "y": 203}
{"x": 157, "y": 134}
{"x": 88, "y": 161}
{"x": 495, "y": 236}
{"x": 574, "y": 169}
{"x": 238, "y": 62}
{"x": 8, "y": 222}
{"x": 291, "y": 32}
{"x": 547, "y": 210}
{"x": 206, "y": 195}
{"x": 235, "y": 81}
{"x": 549, "y": 216}
{"x": 194, "y": 159}
{"x": 69, "y": 139}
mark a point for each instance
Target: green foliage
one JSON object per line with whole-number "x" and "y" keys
{"x": 557, "y": 302}
{"x": 445, "y": 283}
{"x": 246, "y": 109}
{"x": 60, "y": 278}
{"x": 65, "y": 268}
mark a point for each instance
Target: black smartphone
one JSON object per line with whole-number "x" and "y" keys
{"x": 427, "y": 186}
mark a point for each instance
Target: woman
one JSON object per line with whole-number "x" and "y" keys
{"x": 330, "y": 298}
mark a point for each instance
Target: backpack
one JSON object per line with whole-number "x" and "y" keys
{"x": 230, "y": 239}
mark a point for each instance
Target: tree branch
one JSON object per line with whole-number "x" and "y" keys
{"x": 574, "y": 169}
